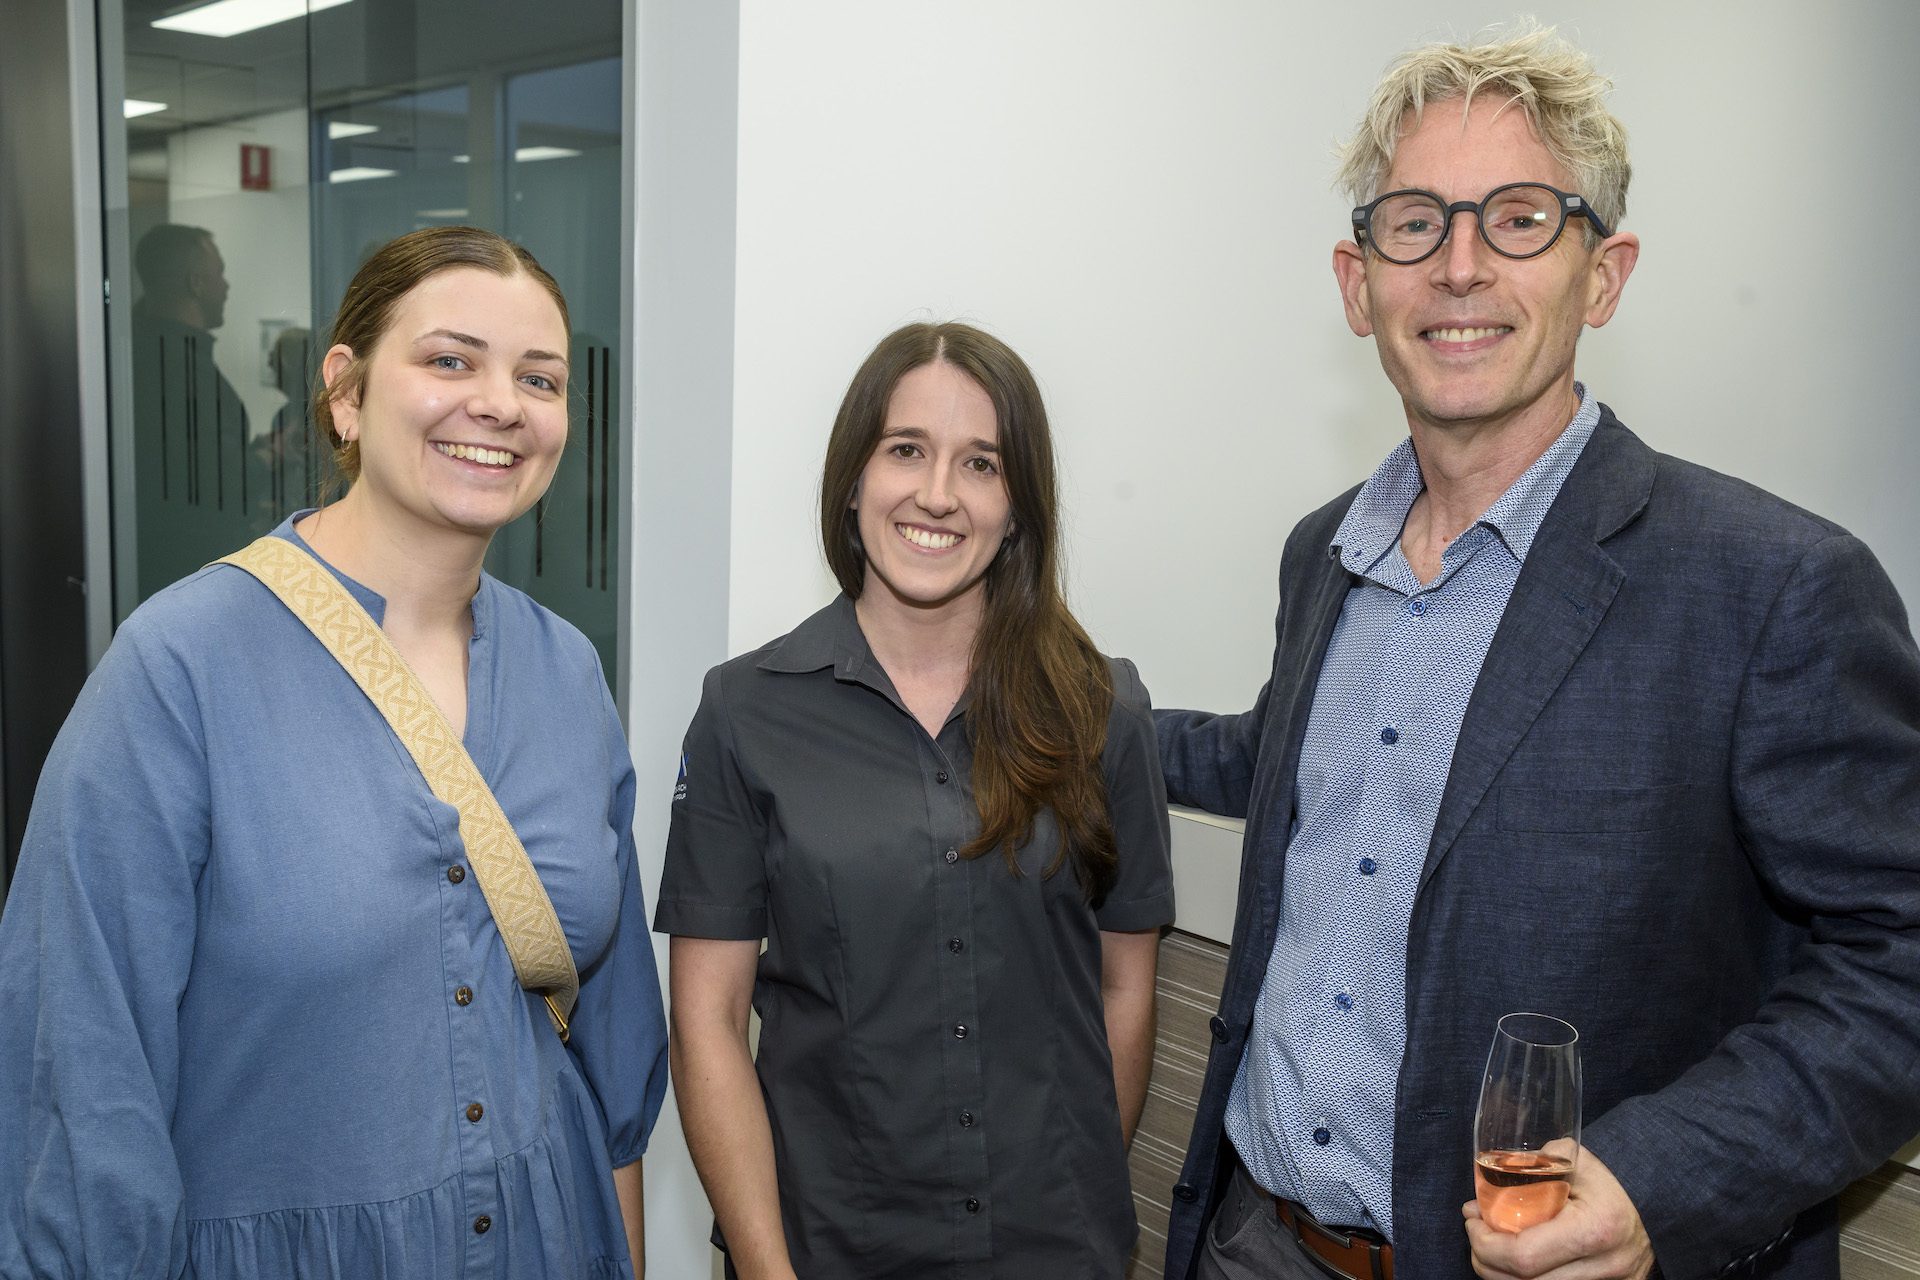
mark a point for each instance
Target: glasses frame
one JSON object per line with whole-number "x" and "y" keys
{"x": 1571, "y": 205}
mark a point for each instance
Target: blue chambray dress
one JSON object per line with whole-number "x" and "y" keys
{"x": 255, "y": 1017}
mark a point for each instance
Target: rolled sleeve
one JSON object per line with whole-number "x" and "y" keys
{"x": 715, "y": 882}
{"x": 1142, "y": 892}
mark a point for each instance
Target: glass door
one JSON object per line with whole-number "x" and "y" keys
{"x": 265, "y": 148}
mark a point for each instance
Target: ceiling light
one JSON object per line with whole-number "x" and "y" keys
{"x": 358, "y": 173}
{"x": 140, "y": 107}
{"x": 462, "y": 159}
{"x": 544, "y": 153}
{"x": 440, "y": 213}
{"x": 225, "y": 18}
{"x": 338, "y": 129}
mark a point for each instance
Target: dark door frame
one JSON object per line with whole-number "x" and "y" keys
{"x": 53, "y": 479}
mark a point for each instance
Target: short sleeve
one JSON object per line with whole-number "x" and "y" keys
{"x": 619, "y": 1030}
{"x": 715, "y": 882}
{"x": 95, "y": 948}
{"x": 1142, "y": 893}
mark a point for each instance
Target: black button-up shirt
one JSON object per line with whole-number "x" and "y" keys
{"x": 933, "y": 1045}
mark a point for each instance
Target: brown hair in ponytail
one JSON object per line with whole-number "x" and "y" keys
{"x": 1041, "y": 693}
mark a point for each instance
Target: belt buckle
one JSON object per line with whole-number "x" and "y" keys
{"x": 1319, "y": 1228}
{"x": 1378, "y": 1259}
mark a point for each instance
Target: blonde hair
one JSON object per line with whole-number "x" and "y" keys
{"x": 1532, "y": 68}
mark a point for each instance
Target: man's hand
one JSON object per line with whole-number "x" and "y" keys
{"x": 1598, "y": 1236}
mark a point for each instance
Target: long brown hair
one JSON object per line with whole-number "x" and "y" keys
{"x": 1041, "y": 693}
{"x": 366, "y": 312}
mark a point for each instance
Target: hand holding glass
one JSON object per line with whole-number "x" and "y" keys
{"x": 1526, "y": 1134}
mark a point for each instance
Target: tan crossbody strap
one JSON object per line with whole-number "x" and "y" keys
{"x": 521, "y": 909}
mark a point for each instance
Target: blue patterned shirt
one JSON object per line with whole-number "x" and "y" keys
{"x": 1312, "y": 1107}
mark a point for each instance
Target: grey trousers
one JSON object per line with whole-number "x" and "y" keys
{"x": 1245, "y": 1240}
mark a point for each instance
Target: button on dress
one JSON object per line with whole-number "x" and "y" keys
{"x": 255, "y": 1019}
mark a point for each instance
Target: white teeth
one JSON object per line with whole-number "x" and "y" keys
{"x": 472, "y": 453}
{"x": 1465, "y": 335}
{"x": 927, "y": 538}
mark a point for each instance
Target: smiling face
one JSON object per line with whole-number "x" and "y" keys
{"x": 462, "y": 413}
{"x": 1468, "y": 337}
{"x": 932, "y": 504}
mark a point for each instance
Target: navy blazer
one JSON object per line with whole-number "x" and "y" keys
{"x": 1683, "y": 814}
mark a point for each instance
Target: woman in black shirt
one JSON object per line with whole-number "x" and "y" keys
{"x": 941, "y": 807}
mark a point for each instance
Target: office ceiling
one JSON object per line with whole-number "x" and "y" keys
{"x": 360, "y": 50}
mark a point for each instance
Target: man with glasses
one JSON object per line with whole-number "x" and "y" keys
{"x": 1558, "y": 724}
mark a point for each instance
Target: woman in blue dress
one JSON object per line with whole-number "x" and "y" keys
{"x": 255, "y": 1016}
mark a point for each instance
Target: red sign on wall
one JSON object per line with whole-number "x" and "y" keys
{"x": 256, "y": 168}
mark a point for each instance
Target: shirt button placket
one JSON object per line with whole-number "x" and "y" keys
{"x": 469, "y": 1036}
{"x": 957, "y": 884}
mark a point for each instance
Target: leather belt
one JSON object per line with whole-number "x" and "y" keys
{"x": 1356, "y": 1254}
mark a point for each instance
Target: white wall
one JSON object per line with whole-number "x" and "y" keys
{"x": 1137, "y": 196}
{"x": 681, "y": 91}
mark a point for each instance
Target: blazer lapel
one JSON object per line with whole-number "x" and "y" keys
{"x": 1291, "y": 704}
{"x": 1563, "y": 592}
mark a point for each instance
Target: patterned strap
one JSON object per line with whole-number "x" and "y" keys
{"x": 511, "y": 885}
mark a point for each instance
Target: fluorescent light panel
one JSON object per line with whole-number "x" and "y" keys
{"x": 529, "y": 154}
{"x": 137, "y": 107}
{"x": 440, "y": 213}
{"x": 338, "y": 129}
{"x": 358, "y": 173}
{"x": 225, "y": 18}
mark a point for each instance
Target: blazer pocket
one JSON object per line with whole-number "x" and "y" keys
{"x": 1601, "y": 810}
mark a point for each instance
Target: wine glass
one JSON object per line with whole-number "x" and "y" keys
{"x": 1526, "y": 1133}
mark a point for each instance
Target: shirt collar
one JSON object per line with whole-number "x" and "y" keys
{"x": 372, "y": 601}
{"x": 830, "y": 638}
{"x": 1372, "y": 524}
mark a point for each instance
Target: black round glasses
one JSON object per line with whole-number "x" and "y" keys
{"x": 1519, "y": 220}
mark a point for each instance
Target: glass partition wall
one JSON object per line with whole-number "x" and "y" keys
{"x": 257, "y": 151}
